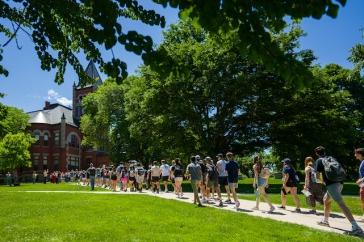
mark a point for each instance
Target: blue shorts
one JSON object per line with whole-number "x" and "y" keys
{"x": 262, "y": 182}
{"x": 334, "y": 191}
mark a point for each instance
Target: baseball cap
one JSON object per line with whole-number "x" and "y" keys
{"x": 286, "y": 161}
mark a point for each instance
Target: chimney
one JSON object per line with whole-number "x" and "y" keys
{"x": 47, "y": 105}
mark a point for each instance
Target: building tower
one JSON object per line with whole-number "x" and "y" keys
{"x": 80, "y": 91}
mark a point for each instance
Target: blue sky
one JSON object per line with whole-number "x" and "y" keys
{"x": 28, "y": 87}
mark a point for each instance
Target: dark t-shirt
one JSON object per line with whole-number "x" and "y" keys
{"x": 91, "y": 171}
{"x": 291, "y": 182}
{"x": 203, "y": 167}
{"x": 319, "y": 167}
{"x": 177, "y": 170}
{"x": 232, "y": 168}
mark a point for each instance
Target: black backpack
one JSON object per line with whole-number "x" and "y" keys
{"x": 333, "y": 169}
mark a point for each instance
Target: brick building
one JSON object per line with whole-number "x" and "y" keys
{"x": 56, "y": 129}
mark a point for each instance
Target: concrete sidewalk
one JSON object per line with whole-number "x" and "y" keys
{"x": 338, "y": 222}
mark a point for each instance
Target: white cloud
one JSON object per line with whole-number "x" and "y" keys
{"x": 54, "y": 96}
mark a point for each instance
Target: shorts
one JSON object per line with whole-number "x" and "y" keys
{"x": 361, "y": 194}
{"x": 233, "y": 185}
{"x": 291, "y": 184}
{"x": 124, "y": 179}
{"x": 165, "y": 178}
{"x": 212, "y": 183}
{"x": 178, "y": 179}
{"x": 132, "y": 179}
{"x": 203, "y": 179}
{"x": 262, "y": 182}
{"x": 334, "y": 191}
{"x": 155, "y": 178}
{"x": 223, "y": 180}
{"x": 317, "y": 191}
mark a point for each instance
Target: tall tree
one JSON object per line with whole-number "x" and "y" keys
{"x": 323, "y": 114}
{"x": 103, "y": 124}
{"x": 14, "y": 151}
{"x": 214, "y": 100}
{"x": 14, "y": 139}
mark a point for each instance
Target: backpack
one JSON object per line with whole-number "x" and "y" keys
{"x": 333, "y": 169}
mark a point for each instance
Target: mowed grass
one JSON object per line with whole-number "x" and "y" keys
{"x": 49, "y": 187}
{"x": 109, "y": 217}
{"x": 352, "y": 202}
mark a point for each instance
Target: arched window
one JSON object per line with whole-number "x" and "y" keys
{"x": 36, "y": 135}
{"x": 73, "y": 141}
{"x": 45, "y": 139}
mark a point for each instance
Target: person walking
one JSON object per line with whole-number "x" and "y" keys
{"x": 165, "y": 174}
{"x": 333, "y": 176}
{"x": 202, "y": 184}
{"x": 211, "y": 179}
{"x": 313, "y": 188}
{"x": 177, "y": 173}
{"x": 91, "y": 171}
{"x": 113, "y": 178}
{"x": 222, "y": 178}
{"x": 34, "y": 177}
{"x": 232, "y": 168}
{"x": 290, "y": 183}
{"x": 261, "y": 176}
{"x": 359, "y": 155}
{"x": 156, "y": 174}
{"x": 45, "y": 176}
{"x": 194, "y": 173}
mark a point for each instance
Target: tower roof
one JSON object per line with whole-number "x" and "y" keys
{"x": 92, "y": 72}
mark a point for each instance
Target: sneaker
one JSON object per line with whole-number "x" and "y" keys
{"x": 297, "y": 210}
{"x": 355, "y": 232}
{"x": 227, "y": 201}
{"x": 271, "y": 210}
{"x": 323, "y": 223}
{"x": 237, "y": 205}
{"x": 312, "y": 211}
{"x": 282, "y": 207}
{"x": 221, "y": 204}
{"x": 200, "y": 205}
{"x": 204, "y": 200}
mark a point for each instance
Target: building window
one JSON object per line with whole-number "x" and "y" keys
{"x": 73, "y": 163}
{"x": 45, "y": 162}
{"x": 35, "y": 162}
{"x": 36, "y": 135}
{"x": 56, "y": 138}
{"x": 45, "y": 139}
{"x": 73, "y": 142}
{"x": 56, "y": 163}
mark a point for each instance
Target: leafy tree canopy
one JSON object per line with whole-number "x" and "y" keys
{"x": 61, "y": 29}
{"x": 14, "y": 151}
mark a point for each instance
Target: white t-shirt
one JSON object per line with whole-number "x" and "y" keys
{"x": 156, "y": 171}
{"x": 165, "y": 169}
{"x": 220, "y": 165}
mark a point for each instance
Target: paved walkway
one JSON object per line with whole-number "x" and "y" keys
{"x": 338, "y": 222}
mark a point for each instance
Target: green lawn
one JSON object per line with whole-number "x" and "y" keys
{"x": 48, "y": 187}
{"x": 104, "y": 217}
{"x": 352, "y": 202}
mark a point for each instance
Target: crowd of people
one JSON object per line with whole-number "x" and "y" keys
{"x": 323, "y": 181}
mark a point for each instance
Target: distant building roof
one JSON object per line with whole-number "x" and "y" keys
{"x": 92, "y": 72}
{"x": 52, "y": 115}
